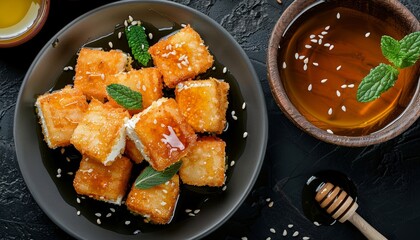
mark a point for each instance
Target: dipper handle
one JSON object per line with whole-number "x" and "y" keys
{"x": 342, "y": 207}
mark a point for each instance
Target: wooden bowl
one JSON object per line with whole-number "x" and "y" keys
{"x": 402, "y": 19}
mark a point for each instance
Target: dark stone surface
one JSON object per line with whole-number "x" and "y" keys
{"x": 387, "y": 176}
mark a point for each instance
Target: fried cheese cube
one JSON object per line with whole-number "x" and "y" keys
{"x": 147, "y": 81}
{"x": 104, "y": 183}
{"x": 93, "y": 66}
{"x": 181, "y": 56}
{"x": 204, "y": 104}
{"x": 205, "y": 164}
{"x": 132, "y": 152}
{"x": 161, "y": 133}
{"x": 101, "y": 133}
{"x": 59, "y": 114}
{"x": 156, "y": 204}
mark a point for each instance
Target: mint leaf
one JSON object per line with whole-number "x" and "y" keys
{"x": 379, "y": 80}
{"x": 150, "y": 177}
{"x": 410, "y": 50}
{"x": 124, "y": 96}
{"x": 390, "y": 49}
{"x": 137, "y": 41}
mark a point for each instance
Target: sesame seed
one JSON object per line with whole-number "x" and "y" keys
{"x": 66, "y": 68}
{"x": 183, "y": 25}
{"x": 150, "y": 36}
{"x": 125, "y": 23}
{"x": 331, "y": 47}
{"x": 296, "y": 55}
{"x": 314, "y": 40}
{"x": 308, "y": 46}
{"x": 338, "y": 68}
{"x": 136, "y": 232}
{"x": 312, "y": 36}
{"x": 213, "y": 68}
{"x": 324, "y": 33}
{"x": 78, "y": 200}
{"x": 68, "y": 159}
{"x": 330, "y": 111}
{"x": 330, "y": 131}
{"x": 98, "y": 221}
{"x": 224, "y": 70}
{"x": 295, "y": 234}
{"x": 317, "y": 224}
{"x": 306, "y": 60}
{"x": 232, "y": 163}
{"x": 301, "y": 57}
{"x": 290, "y": 225}
{"x": 197, "y": 211}
{"x": 305, "y": 67}
{"x": 327, "y": 45}
{"x": 112, "y": 209}
{"x": 367, "y": 34}
{"x": 179, "y": 65}
{"x": 224, "y": 188}
{"x": 268, "y": 199}
{"x": 350, "y": 86}
{"x": 324, "y": 80}
{"x": 327, "y": 28}
{"x": 70, "y": 173}
{"x": 143, "y": 88}
{"x": 191, "y": 214}
{"x": 338, "y": 93}
{"x": 188, "y": 210}
{"x": 245, "y": 135}
{"x": 119, "y": 35}
{"x": 343, "y": 108}
{"x": 98, "y": 214}
{"x": 306, "y": 238}
{"x": 320, "y": 41}
{"x": 130, "y": 18}
{"x": 271, "y": 204}
{"x": 344, "y": 86}
{"x": 321, "y": 36}
{"x": 272, "y": 230}
{"x": 110, "y": 44}
{"x": 163, "y": 203}
{"x": 315, "y": 64}
{"x": 78, "y": 213}
{"x": 127, "y": 222}
{"x": 108, "y": 215}
{"x": 59, "y": 170}
{"x": 244, "y": 238}
{"x": 244, "y": 105}
{"x": 269, "y": 238}
{"x": 309, "y": 87}
{"x": 284, "y": 65}
{"x": 338, "y": 15}
{"x": 284, "y": 232}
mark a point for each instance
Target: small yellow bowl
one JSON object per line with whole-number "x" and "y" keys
{"x": 21, "y": 20}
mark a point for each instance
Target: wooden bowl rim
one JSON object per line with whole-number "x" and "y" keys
{"x": 393, "y": 129}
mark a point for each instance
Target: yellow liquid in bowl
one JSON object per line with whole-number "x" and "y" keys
{"x": 17, "y": 16}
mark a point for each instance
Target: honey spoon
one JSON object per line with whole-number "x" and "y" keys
{"x": 342, "y": 207}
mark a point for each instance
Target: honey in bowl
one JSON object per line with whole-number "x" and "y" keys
{"x": 324, "y": 55}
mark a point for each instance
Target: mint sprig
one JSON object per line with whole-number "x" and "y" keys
{"x": 137, "y": 41}
{"x": 150, "y": 177}
{"x": 401, "y": 54}
{"x": 124, "y": 96}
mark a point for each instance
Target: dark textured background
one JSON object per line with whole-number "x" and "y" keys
{"x": 387, "y": 176}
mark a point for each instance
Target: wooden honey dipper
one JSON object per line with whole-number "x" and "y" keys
{"x": 342, "y": 207}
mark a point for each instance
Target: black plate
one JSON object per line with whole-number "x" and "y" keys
{"x": 35, "y": 163}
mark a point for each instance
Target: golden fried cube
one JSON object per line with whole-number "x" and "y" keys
{"x": 156, "y": 204}
{"x": 181, "y": 56}
{"x": 101, "y": 133}
{"x": 105, "y": 183}
{"x": 205, "y": 164}
{"x": 59, "y": 114}
{"x": 132, "y": 152}
{"x": 93, "y": 66}
{"x": 161, "y": 133}
{"x": 147, "y": 81}
{"x": 204, "y": 104}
